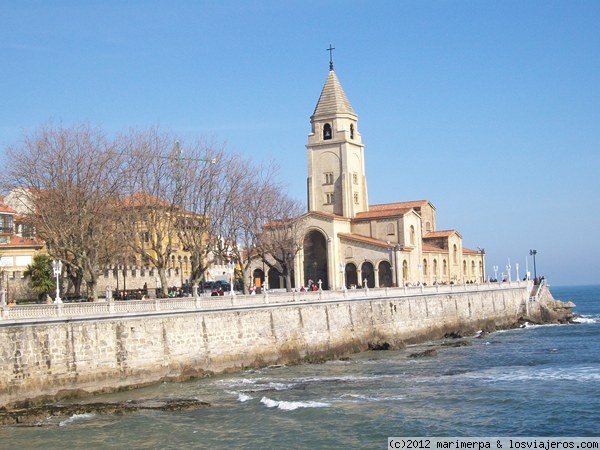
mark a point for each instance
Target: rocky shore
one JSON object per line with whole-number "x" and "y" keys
{"x": 55, "y": 414}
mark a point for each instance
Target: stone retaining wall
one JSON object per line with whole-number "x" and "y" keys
{"x": 107, "y": 353}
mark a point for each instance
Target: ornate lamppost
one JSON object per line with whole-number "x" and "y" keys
{"x": 57, "y": 269}
{"x": 533, "y": 253}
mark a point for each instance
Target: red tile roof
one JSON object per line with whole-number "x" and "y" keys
{"x": 398, "y": 205}
{"x": 4, "y": 208}
{"x": 382, "y": 213}
{"x": 365, "y": 239}
{"x": 18, "y": 241}
{"x": 438, "y": 234}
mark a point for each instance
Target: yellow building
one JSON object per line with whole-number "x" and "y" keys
{"x": 18, "y": 246}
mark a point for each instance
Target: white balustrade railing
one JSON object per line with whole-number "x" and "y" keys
{"x": 48, "y": 312}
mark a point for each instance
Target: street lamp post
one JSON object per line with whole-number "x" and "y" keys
{"x": 343, "y": 271}
{"x": 496, "y": 273}
{"x": 231, "y": 273}
{"x": 533, "y": 253}
{"x": 57, "y": 269}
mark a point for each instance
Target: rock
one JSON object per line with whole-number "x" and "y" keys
{"x": 462, "y": 343}
{"x": 38, "y": 415}
{"x": 423, "y": 354}
{"x": 379, "y": 346}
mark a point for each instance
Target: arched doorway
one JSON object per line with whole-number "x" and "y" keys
{"x": 351, "y": 275}
{"x": 385, "y": 274}
{"x": 368, "y": 274}
{"x": 258, "y": 278}
{"x": 315, "y": 259}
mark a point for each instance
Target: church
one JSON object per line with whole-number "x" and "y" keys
{"x": 348, "y": 242}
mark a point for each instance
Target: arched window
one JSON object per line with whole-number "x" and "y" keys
{"x": 465, "y": 268}
{"x": 444, "y": 267}
{"x": 473, "y": 268}
{"x": 455, "y": 254}
{"x": 404, "y": 270}
{"x": 412, "y": 235}
{"x": 348, "y": 252}
{"x": 390, "y": 228}
{"x": 425, "y": 267}
{"x": 351, "y": 131}
{"x": 428, "y": 226}
{"x": 327, "y": 131}
{"x": 435, "y": 268}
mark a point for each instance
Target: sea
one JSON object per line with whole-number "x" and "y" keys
{"x": 532, "y": 381}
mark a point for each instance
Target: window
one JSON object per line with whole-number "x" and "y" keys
{"x": 329, "y": 198}
{"x": 327, "y": 132}
{"x": 329, "y": 178}
{"x": 412, "y": 235}
{"x": 6, "y": 223}
{"x": 428, "y": 226}
{"x": 455, "y": 254}
{"x": 444, "y": 267}
{"x": 351, "y": 131}
{"x": 348, "y": 252}
{"x": 425, "y": 267}
{"x": 390, "y": 228}
{"x": 355, "y": 178}
{"x": 356, "y": 198}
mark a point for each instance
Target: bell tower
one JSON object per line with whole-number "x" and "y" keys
{"x": 336, "y": 164}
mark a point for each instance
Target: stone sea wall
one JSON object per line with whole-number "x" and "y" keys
{"x": 76, "y": 355}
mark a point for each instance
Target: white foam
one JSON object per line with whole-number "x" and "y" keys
{"x": 533, "y": 373}
{"x": 244, "y": 397}
{"x": 587, "y": 319}
{"x": 291, "y": 406}
{"x": 369, "y": 398}
{"x": 75, "y": 418}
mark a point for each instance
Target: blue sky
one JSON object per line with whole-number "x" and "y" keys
{"x": 489, "y": 109}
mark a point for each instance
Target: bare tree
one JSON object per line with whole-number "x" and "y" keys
{"x": 283, "y": 234}
{"x": 202, "y": 198}
{"x": 255, "y": 188}
{"x": 151, "y": 205}
{"x": 72, "y": 176}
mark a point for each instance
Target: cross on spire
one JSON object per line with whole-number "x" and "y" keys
{"x": 330, "y": 50}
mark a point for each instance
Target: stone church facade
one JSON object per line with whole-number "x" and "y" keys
{"x": 353, "y": 244}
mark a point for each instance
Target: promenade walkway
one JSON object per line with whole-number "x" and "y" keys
{"x": 44, "y": 313}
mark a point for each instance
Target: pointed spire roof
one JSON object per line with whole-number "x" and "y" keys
{"x": 333, "y": 100}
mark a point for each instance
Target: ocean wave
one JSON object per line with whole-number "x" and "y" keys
{"x": 255, "y": 385}
{"x": 291, "y": 406}
{"x": 75, "y": 418}
{"x": 370, "y": 398}
{"x": 276, "y": 384}
{"x": 242, "y": 397}
{"x": 587, "y": 319}
{"x": 510, "y": 374}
